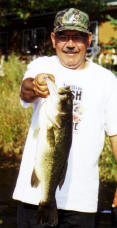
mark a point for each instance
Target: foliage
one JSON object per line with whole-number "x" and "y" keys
{"x": 14, "y": 121}
{"x": 112, "y": 20}
{"x": 112, "y": 44}
{"x": 107, "y": 165}
{"x": 93, "y": 7}
{"x": 25, "y": 9}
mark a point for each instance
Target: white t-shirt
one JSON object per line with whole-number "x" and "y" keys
{"x": 94, "y": 112}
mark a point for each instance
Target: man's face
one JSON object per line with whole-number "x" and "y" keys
{"x": 71, "y": 47}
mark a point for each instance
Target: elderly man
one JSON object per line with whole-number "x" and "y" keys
{"x": 94, "y": 113}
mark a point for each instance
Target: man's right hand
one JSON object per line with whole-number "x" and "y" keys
{"x": 32, "y": 88}
{"x": 40, "y": 84}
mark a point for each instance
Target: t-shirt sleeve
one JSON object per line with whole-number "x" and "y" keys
{"x": 111, "y": 107}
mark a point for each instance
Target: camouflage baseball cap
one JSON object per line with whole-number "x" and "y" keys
{"x": 71, "y": 19}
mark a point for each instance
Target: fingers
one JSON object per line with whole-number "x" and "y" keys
{"x": 51, "y": 76}
{"x": 40, "y": 85}
{"x": 41, "y": 91}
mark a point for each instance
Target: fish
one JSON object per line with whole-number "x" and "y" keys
{"x": 54, "y": 139}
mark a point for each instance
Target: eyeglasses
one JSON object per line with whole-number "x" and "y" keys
{"x": 75, "y": 38}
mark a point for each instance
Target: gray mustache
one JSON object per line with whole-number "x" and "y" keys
{"x": 71, "y": 50}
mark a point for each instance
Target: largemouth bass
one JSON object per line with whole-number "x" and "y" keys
{"x": 54, "y": 137}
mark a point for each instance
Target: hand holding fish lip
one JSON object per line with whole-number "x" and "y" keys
{"x": 40, "y": 84}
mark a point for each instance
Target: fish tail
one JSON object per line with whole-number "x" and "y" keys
{"x": 48, "y": 213}
{"x": 34, "y": 179}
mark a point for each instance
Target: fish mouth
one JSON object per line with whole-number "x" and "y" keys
{"x": 51, "y": 85}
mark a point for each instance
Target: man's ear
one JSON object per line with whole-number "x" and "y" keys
{"x": 89, "y": 39}
{"x": 53, "y": 39}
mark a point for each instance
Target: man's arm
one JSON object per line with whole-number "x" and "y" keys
{"x": 27, "y": 92}
{"x": 113, "y": 140}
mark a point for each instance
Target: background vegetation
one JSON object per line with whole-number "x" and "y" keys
{"x": 14, "y": 120}
{"x": 26, "y": 8}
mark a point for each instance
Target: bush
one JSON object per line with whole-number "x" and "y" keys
{"x": 107, "y": 164}
{"x": 14, "y": 120}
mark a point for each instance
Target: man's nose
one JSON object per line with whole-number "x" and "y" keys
{"x": 70, "y": 43}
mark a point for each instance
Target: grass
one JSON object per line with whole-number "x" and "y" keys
{"x": 15, "y": 120}
{"x": 107, "y": 164}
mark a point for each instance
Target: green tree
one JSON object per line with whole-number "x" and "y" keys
{"x": 25, "y": 8}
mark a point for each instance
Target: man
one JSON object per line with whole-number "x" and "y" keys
{"x": 94, "y": 112}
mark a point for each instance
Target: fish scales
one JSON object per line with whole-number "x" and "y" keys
{"x": 54, "y": 140}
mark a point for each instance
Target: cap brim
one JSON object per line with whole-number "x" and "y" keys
{"x": 71, "y": 28}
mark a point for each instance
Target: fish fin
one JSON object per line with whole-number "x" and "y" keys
{"x": 36, "y": 132}
{"x": 62, "y": 177}
{"x": 48, "y": 213}
{"x": 34, "y": 179}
